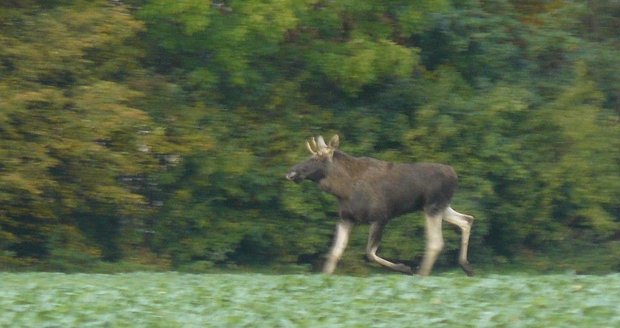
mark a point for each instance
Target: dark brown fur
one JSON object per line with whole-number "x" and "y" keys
{"x": 375, "y": 191}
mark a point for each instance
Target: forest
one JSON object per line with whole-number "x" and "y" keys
{"x": 155, "y": 134}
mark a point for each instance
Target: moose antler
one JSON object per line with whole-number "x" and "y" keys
{"x": 321, "y": 142}
{"x": 317, "y": 146}
{"x": 310, "y": 147}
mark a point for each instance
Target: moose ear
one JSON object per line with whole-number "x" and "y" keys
{"x": 334, "y": 142}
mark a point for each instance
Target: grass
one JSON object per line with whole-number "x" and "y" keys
{"x": 259, "y": 300}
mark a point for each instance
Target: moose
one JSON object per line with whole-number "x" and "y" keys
{"x": 373, "y": 191}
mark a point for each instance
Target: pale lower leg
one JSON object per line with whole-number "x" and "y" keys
{"x": 464, "y": 222}
{"x": 374, "y": 239}
{"x": 343, "y": 230}
{"x": 434, "y": 243}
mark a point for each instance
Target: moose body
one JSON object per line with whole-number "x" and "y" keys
{"x": 374, "y": 191}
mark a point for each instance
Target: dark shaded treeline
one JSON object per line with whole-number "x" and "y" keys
{"x": 158, "y": 132}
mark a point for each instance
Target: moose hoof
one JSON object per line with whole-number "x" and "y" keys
{"x": 403, "y": 268}
{"x": 469, "y": 270}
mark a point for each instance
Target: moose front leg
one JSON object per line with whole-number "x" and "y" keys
{"x": 374, "y": 239}
{"x": 343, "y": 231}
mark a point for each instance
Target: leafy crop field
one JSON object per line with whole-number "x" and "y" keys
{"x": 253, "y": 300}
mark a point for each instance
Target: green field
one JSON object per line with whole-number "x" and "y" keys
{"x": 257, "y": 300}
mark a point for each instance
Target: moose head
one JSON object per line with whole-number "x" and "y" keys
{"x": 315, "y": 167}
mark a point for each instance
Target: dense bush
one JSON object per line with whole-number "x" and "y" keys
{"x": 158, "y": 132}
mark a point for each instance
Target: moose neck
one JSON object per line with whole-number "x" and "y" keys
{"x": 341, "y": 173}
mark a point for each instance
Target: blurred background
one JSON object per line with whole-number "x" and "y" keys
{"x": 139, "y": 135}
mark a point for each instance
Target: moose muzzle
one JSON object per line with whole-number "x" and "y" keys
{"x": 294, "y": 176}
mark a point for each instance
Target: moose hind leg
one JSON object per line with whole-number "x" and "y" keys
{"x": 434, "y": 242}
{"x": 374, "y": 239}
{"x": 464, "y": 222}
{"x": 343, "y": 231}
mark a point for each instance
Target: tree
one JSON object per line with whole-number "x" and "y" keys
{"x": 71, "y": 139}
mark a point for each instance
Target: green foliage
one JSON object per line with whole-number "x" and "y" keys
{"x": 69, "y": 131}
{"x": 157, "y": 133}
{"x": 172, "y": 299}
{"x": 359, "y": 62}
{"x": 588, "y": 133}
